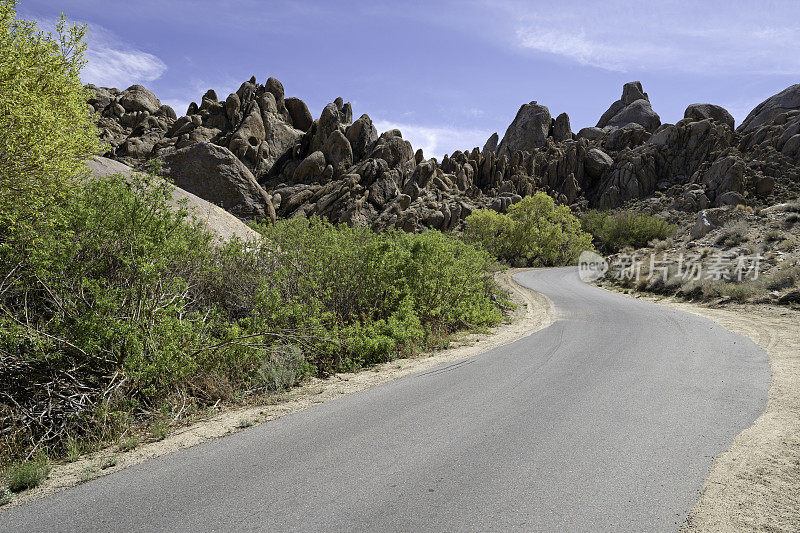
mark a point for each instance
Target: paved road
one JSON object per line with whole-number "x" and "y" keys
{"x": 605, "y": 421}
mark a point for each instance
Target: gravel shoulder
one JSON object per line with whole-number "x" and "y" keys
{"x": 533, "y": 312}
{"x": 755, "y": 484}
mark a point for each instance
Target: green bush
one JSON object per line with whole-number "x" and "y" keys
{"x": 28, "y": 474}
{"x": 377, "y": 295}
{"x": 130, "y": 303}
{"x": 536, "y": 232}
{"x": 613, "y": 232}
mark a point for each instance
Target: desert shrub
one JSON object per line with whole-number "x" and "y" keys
{"x": 732, "y": 234}
{"x": 793, "y": 206}
{"x": 708, "y": 289}
{"x": 783, "y": 276}
{"x": 742, "y": 292}
{"x": 536, "y": 232}
{"x": 775, "y": 235}
{"x": 613, "y": 232}
{"x": 28, "y": 474}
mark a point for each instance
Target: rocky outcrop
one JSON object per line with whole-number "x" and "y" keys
{"x": 258, "y": 145}
{"x": 634, "y": 107}
{"x": 528, "y": 131}
{"x": 216, "y": 175}
{"x": 709, "y": 112}
{"x": 767, "y": 111}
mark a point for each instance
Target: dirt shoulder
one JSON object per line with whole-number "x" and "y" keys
{"x": 755, "y": 484}
{"x": 534, "y": 312}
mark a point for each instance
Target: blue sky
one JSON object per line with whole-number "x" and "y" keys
{"x": 447, "y": 73}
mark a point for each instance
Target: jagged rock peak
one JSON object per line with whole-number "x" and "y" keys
{"x": 633, "y": 107}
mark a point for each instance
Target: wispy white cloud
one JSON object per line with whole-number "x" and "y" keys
{"x": 711, "y": 37}
{"x": 113, "y": 63}
{"x": 436, "y": 142}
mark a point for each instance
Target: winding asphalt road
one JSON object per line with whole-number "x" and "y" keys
{"x": 605, "y": 421}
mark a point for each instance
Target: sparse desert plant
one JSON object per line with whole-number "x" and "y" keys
{"x": 733, "y": 233}
{"x": 159, "y": 429}
{"x": 109, "y": 462}
{"x": 28, "y": 474}
{"x": 659, "y": 245}
{"x": 89, "y": 473}
{"x": 73, "y": 450}
{"x": 783, "y": 276}
{"x": 131, "y": 442}
{"x": 6, "y": 496}
{"x": 245, "y": 422}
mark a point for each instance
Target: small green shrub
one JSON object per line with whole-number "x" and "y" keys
{"x": 29, "y": 474}
{"x": 159, "y": 429}
{"x": 536, "y": 232}
{"x": 613, "y": 232}
{"x": 131, "y": 442}
{"x": 6, "y": 496}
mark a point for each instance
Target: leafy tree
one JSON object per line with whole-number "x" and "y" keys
{"x": 536, "y": 231}
{"x": 46, "y": 127}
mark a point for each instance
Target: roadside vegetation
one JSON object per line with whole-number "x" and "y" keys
{"x": 535, "y": 232}
{"x": 611, "y": 232}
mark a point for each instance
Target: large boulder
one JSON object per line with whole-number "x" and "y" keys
{"x": 561, "y": 128}
{"x": 765, "y": 112}
{"x": 222, "y": 224}
{"x": 597, "y": 163}
{"x": 528, "y": 130}
{"x": 215, "y": 174}
{"x": 627, "y": 136}
{"x": 362, "y": 135}
{"x": 299, "y": 113}
{"x": 338, "y": 153}
{"x": 633, "y": 107}
{"x": 309, "y": 168}
{"x": 395, "y": 150}
{"x": 709, "y": 111}
{"x": 137, "y": 98}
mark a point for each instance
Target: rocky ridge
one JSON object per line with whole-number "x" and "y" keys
{"x": 260, "y": 155}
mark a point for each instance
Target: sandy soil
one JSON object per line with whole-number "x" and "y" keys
{"x": 534, "y": 312}
{"x": 755, "y": 484}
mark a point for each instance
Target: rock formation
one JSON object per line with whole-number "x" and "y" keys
{"x": 261, "y": 154}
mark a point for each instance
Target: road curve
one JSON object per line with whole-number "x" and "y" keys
{"x": 605, "y": 421}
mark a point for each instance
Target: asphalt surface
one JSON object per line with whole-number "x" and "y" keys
{"x": 605, "y": 421}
